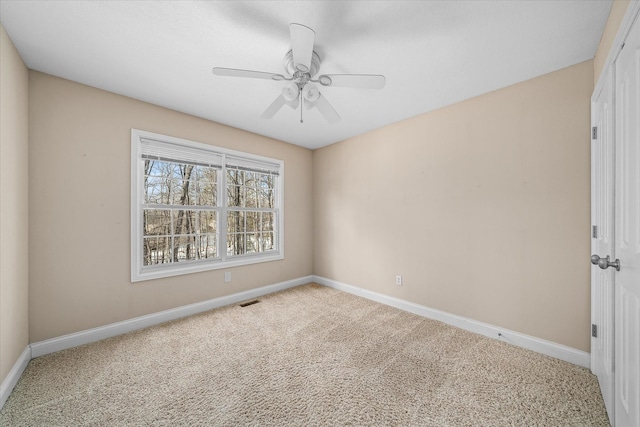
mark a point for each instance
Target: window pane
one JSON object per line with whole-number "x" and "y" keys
{"x": 156, "y": 222}
{"x": 233, "y": 221}
{"x": 156, "y": 190}
{"x": 253, "y": 221}
{"x": 183, "y": 192}
{"x": 251, "y": 241}
{"x": 207, "y": 222}
{"x": 158, "y": 168}
{"x": 235, "y": 233}
{"x": 207, "y": 193}
{"x": 235, "y": 244}
{"x": 184, "y": 248}
{"x": 264, "y": 199}
{"x": 157, "y": 181}
{"x": 235, "y": 177}
{"x": 190, "y": 189}
{"x": 267, "y": 243}
{"x": 268, "y": 221}
{"x": 197, "y": 172}
{"x": 251, "y": 199}
{"x": 196, "y": 186}
{"x": 236, "y": 195}
{"x": 266, "y": 191}
{"x": 184, "y": 222}
{"x": 156, "y": 250}
{"x": 175, "y": 192}
{"x": 208, "y": 246}
{"x": 211, "y": 182}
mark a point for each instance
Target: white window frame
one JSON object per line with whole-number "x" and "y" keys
{"x": 140, "y": 272}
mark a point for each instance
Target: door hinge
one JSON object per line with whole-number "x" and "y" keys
{"x": 594, "y": 330}
{"x": 594, "y": 132}
{"x": 594, "y": 231}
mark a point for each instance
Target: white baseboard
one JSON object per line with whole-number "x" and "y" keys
{"x": 14, "y": 375}
{"x": 96, "y": 334}
{"x": 52, "y": 345}
{"x": 549, "y": 348}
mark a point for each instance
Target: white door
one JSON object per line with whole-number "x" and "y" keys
{"x": 602, "y": 281}
{"x": 627, "y": 234}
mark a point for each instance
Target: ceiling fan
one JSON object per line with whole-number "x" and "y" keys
{"x": 301, "y": 64}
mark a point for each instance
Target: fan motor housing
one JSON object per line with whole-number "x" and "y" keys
{"x": 290, "y": 67}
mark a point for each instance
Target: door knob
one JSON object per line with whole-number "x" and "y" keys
{"x": 605, "y": 263}
{"x": 595, "y": 259}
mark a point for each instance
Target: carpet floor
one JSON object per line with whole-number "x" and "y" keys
{"x": 306, "y": 356}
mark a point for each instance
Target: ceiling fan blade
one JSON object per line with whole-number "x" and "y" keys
{"x": 233, "y": 72}
{"x": 277, "y": 104}
{"x": 302, "y": 39}
{"x": 358, "y": 81}
{"x": 294, "y": 102}
{"x": 274, "y": 107}
{"x": 325, "y": 109}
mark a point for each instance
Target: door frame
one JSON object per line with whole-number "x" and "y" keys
{"x": 632, "y": 13}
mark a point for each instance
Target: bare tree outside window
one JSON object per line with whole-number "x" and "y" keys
{"x": 250, "y": 217}
{"x": 179, "y": 216}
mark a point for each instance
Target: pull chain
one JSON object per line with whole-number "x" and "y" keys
{"x": 301, "y": 107}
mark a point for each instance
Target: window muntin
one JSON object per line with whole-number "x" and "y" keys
{"x": 197, "y": 207}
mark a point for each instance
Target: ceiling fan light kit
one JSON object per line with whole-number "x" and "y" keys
{"x": 310, "y": 92}
{"x": 290, "y": 91}
{"x": 301, "y": 63}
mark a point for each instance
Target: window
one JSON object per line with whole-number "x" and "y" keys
{"x": 197, "y": 207}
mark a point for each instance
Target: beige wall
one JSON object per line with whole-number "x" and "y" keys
{"x": 482, "y": 207}
{"x": 504, "y": 175}
{"x": 618, "y": 9}
{"x": 14, "y": 232}
{"x": 79, "y": 195}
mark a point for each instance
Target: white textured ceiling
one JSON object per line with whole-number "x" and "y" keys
{"x": 433, "y": 53}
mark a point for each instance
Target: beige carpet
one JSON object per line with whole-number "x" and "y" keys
{"x": 310, "y": 355}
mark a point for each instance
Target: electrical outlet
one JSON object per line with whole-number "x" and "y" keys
{"x": 399, "y": 280}
{"x": 227, "y": 276}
